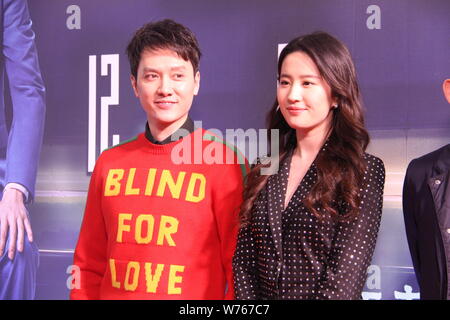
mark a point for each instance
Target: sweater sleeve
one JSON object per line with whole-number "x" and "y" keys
{"x": 354, "y": 241}
{"x": 91, "y": 250}
{"x": 227, "y": 199}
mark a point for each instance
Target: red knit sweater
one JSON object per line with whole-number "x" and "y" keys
{"x": 154, "y": 229}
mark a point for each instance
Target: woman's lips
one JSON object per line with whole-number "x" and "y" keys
{"x": 295, "y": 110}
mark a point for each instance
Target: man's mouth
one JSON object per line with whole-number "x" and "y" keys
{"x": 165, "y": 104}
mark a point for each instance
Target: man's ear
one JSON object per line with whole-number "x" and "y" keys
{"x": 134, "y": 85}
{"x": 197, "y": 83}
{"x": 446, "y": 88}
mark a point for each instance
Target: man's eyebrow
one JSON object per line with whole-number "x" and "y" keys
{"x": 149, "y": 69}
{"x": 176, "y": 68}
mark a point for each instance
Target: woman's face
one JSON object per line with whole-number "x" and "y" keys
{"x": 303, "y": 95}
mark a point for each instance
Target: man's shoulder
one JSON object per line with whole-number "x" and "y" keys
{"x": 118, "y": 151}
{"x": 125, "y": 145}
{"x": 213, "y": 138}
{"x": 231, "y": 155}
{"x": 424, "y": 164}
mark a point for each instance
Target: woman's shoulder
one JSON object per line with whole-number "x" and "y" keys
{"x": 374, "y": 163}
{"x": 370, "y": 158}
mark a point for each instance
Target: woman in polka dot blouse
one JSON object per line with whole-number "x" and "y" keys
{"x": 309, "y": 230}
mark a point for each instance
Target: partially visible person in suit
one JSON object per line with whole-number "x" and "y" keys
{"x": 20, "y": 146}
{"x": 309, "y": 231}
{"x": 426, "y": 209}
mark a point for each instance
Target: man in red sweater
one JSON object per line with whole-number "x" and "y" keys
{"x": 161, "y": 216}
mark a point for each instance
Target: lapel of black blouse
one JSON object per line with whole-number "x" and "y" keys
{"x": 276, "y": 193}
{"x": 276, "y": 187}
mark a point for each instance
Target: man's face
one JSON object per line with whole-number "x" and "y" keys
{"x": 165, "y": 85}
{"x": 446, "y": 87}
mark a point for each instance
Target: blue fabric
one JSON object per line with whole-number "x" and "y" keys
{"x": 18, "y": 276}
{"x": 20, "y": 146}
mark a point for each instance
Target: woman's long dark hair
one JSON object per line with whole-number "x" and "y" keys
{"x": 340, "y": 169}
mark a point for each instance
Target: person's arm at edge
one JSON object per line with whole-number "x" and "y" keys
{"x": 25, "y": 136}
{"x": 409, "y": 216}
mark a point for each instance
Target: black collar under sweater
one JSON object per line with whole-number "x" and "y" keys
{"x": 188, "y": 125}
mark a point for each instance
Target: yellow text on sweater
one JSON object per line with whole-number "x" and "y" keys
{"x": 154, "y": 182}
{"x": 129, "y": 276}
{"x": 144, "y": 228}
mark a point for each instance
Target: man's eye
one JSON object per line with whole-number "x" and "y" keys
{"x": 307, "y": 83}
{"x": 179, "y": 75}
{"x": 150, "y": 76}
{"x": 284, "y": 83}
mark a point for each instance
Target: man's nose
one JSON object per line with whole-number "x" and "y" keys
{"x": 165, "y": 87}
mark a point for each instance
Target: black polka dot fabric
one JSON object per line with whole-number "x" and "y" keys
{"x": 291, "y": 254}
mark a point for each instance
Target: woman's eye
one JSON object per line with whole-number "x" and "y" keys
{"x": 307, "y": 83}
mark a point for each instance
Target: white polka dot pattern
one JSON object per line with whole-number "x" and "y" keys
{"x": 291, "y": 254}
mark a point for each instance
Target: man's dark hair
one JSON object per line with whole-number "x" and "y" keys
{"x": 163, "y": 34}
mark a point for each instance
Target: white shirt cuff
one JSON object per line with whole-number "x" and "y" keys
{"x": 17, "y": 186}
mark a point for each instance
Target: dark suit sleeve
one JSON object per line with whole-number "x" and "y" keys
{"x": 409, "y": 214}
{"x": 354, "y": 241}
{"x": 27, "y": 94}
